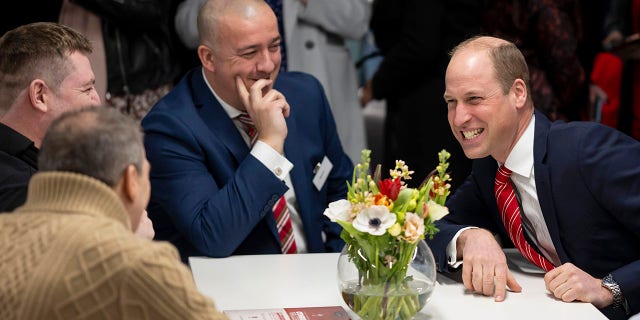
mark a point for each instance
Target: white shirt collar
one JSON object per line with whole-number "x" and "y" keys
{"x": 520, "y": 160}
{"x": 231, "y": 111}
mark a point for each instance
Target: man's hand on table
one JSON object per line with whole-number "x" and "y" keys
{"x": 484, "y": 266}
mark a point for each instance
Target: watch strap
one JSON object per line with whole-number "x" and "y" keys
{"x": 613, "y": 286}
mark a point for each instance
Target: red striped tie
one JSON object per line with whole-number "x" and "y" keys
{"x": 510, "y": 212}
{"x": 249, "y": 127}
{"x": 285, "y": 228}
{"x": 280, "y": 210}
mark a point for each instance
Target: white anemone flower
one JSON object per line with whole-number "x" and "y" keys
{"x": 339, "y": 210}
{"x": 374, "y": 220}
{"x": 436, "y": 211}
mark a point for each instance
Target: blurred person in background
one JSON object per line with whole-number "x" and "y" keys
{"x": 414, "y": 38}
{"x": 139, "y": 57}
{"x": 622, "y": 26}
{"x": 548, "y": 33}
{"x": 25, "y": 12}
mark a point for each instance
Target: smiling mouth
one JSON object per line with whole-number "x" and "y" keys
{"x": 472, "y": 134}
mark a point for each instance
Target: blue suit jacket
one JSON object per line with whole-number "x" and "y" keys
{"x": 210, "y": 197}
{"x": 588, "y": 184}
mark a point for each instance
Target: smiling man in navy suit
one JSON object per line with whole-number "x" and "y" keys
{"x": 577, "y": 189}
{"x": 213, "y": 187}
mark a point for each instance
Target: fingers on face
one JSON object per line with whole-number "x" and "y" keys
{"x": 285, "y": 106}
{"x": 278, "y": 99}
{"x": 242, "y": 90}
{"x": 257, "y": 88}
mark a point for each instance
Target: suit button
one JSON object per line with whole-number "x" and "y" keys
{"x": 309, "y": 44}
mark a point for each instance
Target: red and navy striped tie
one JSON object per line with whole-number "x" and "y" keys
{"x": 510, "y": 213}
{"x": 280, "y": 210}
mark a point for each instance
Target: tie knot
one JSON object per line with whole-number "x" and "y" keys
{"x": 249, "y": 127}
{"x": 245, "y": 118}
{"x": 503, "y": 174}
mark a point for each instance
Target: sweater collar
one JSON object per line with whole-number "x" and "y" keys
{"x": 67, "y": 192}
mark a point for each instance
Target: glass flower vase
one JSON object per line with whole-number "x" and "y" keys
{"x": 379, "y": 291}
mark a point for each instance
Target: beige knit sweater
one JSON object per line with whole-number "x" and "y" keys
{"x": 69, "y": 253}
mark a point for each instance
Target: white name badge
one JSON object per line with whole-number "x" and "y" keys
{"x": 321, "y": 172}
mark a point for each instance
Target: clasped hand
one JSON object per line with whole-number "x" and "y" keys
{"x": 268, "y": 109}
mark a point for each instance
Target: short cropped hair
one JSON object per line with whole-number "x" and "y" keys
{"x": 36, "y": 51}
{"x": 508, "y": 61}
{"x": 99, "y": 142}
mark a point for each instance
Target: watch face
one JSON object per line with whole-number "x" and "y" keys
{"x": 606, "y": 281}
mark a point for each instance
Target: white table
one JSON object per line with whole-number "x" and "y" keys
{"x": 309, "y": 280}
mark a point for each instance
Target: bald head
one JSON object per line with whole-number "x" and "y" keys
{"x": 508, "y": 62}
{"x": 480, "y": 43}
{"x": 215, "y": 11}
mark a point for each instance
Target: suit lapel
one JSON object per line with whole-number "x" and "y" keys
{"x": 216, "y": 119}
{"x": 543, "y": 183}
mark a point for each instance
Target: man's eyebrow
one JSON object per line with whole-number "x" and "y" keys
{"x": 256, "y": 46}
{"x": 249, "y": 47}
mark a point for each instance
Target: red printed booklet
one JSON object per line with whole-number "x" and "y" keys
{"x": 306, "y": 313}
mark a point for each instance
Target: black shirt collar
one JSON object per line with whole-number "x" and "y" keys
{"x": 17, "y": 145}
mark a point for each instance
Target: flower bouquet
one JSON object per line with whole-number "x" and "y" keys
{"x": 384, "y": 223}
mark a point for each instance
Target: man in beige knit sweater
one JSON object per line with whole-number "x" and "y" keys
{"x": 69, "y": 252}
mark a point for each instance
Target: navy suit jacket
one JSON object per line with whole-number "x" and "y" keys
{"x": 211, "y": 197}
{"x": 588, "y": 185}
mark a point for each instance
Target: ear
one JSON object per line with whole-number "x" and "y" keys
{"x": 130, "y": 185}
{"x": 519, "y": 90}
{"x": 206, "y": 57}
{"x": 38, "y": 94}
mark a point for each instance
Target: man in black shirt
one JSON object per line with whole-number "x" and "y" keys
{"x": 18, "y": 162}
{"x": 44, "y": 71}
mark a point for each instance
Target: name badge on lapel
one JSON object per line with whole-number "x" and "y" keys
{"x": 321, "y": 172}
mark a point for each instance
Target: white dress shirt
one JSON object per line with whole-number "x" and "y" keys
{"x": 277, "y": 163}
{"x": 520, "y": 162}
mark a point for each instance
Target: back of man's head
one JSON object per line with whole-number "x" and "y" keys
{"x": 99, "y": 142}
{"x": 36, "y": 51}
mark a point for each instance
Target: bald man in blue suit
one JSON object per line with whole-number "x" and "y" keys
{"x": 212, "y": 190}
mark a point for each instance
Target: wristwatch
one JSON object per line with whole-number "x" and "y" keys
{"x": 613, "y": 286}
